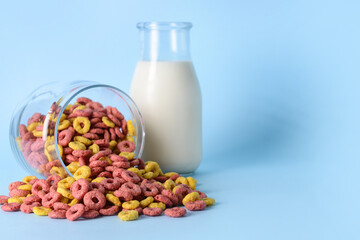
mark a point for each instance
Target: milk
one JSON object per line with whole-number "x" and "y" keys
{"x": 169, "y": 98}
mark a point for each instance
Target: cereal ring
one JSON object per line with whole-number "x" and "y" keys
{"x": 73, "y": 202}
{"x": 181, "y": 191}
{"x": 82, "y": 153}
{"x": 66, "y": 182}
{"x": 57, "y": 214}
{"x": 91, "y": 136}
{"x": 139, "y": 210}
{"x": 126, "y": 146}
{"x": 40, "y": 188}
{"x": 107, "y": 136}
{"x": 157, "y": 205}
{"x": 3, "y": 199}
{"x": 118, "y": 133}
{"x": 81, "y": 125}
{"x": 169, "y": 194}
{"x": 77, "y": 146}
{"x": 49, "y": 199}
{"x": 18, "y": 193}
{"x": 152, "y": 211}
{"x": 196, "y": 205}
{"x": 82, "y": 161}
{"x": 36, "y": 117}
{"x": 100, "y": 125}
{"x": 191, "y": 197}
{"x": 169, "y": 184}
{"x": 97, "y": 186}
{"x": 11, "y": 207}
{"x": 65, "y": 137}
{"x": 75, "y": 212}
{"x": 130, "y": 176}
{"x": 128, "y": 215}
{"x": 90, "y": 214}
{"x": 111, "y": 184}
{"x": 102, "y": 143}
{"x": 65, "y": 192}
{"x": 83, "y": 100}
{"x": 86, "y": 112}
{"x": 208, "y": 201}
{"x": 131, "y": 205}
{"x": 105, "y": 174}
{"x": 22, "y": 130}
{"x": 174, "y": 177}
{"x": 116, "y": 113}
{"x": 114, "y": 200}
{"x": 98, "y": 163}
{"x": 117, "y": 158}
{"x": 27, "y": 179}
{"x": 124, "y": 194}
{"x": 165, "y": 200}
{"x": 64, "y": 124}
{"x": 130, "y": 128}
{"x": 124, "y": 126}
{"x": 114, "y": 119}
{"x": 41, "y": 211}
{"x": 53, "y": 180}
{"x": 94, "y": 105}
{"x": 201, "y": 194}
{"x": 161, "y": 179}
{"x": 134, "y": 189}
{"x": 15, "y": 185}
{"x": 124, "y": 165}
{"x": 97, "y": 130}
{"x": 37, "y": 145}
{"x": 28, "y": 208}
{"x": 98, "y": 179}
{"x": 31, "y": 199}
{"x": 82, "y": 172}
{"x": 100, "y": 154}
{"x": 109, "y": 210}
{"x": 149, "y": 190}
{"x": 16, "y": 199}
{"x": 175, "y": 212}
{"x": 94, "y": 200}
{"x": 83, "y": 140}
{"x": 79, "y": 188}
{"x": 108, "y": 122}
{"x": 61, "y": 206}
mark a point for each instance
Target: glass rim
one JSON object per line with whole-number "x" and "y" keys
{"x": 163, "y": 25}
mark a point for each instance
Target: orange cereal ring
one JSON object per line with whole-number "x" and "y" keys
{"x": 11, "y": 207}
{"x": 196, "y": 205}
{"x": 57, "y": 214}
{"x": 75, "y": 212}
{"x": 94, "y": 200}
{"x": 79, "y": 188}
{"x": 109, "y": 210}
{"x": 175, "y": 212}
{"x": 152, "y": 211}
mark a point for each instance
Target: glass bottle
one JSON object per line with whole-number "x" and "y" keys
{"x": 167, "y": 92}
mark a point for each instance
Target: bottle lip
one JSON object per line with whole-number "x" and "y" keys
{"x": 163, "y": 25}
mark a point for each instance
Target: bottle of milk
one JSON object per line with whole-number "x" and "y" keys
{"x": 167, "y": 92}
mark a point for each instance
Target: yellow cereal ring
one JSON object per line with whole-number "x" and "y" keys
{"x": 128, "y": 215}
{"x": 32, "y": 126}
{"x": 129, "y": 138}
{"x": 48, "y": 155}
{"x": 109, "y": 192}
{"x": 142, "y": 171}
{"x": 181, "y": 180}
{"x": 66, "y": 182}
{"x": 73, "y": 166}
{"x": 77, "y": 125}
{"x": 169, "y": 184}
{"x": 169, "y": 174}
{"x": 77, "y": 146}
{"x": 149, "y": 175}
{"x": 41, "y": 211}
{"x": 16, "y": 199}
{"x": 67, "y": 108}
{"x": 191, "y": 182}
{"x": 63, "y": 117}
{"x": 82, "y": 172}
{"x": 83, "y": 140}
{"x": 64, "y": 124}
{"x": 191, "y": 197}
{"x": 112, "y": 144}
{"x": 135, "y": 170}
{"x": 157, "y": 205}
{"x": 73, "y": 202}
{"x": 175, "y": 188}
{"x": 65, "y": 192}
{"x": 208, "y": 201}
{"x": 154, "y": 167}
{"x": 144, "y": 203}
{"x": 25, "y": 187}
{"x": 81, "y": 107}
{"x": 108, "y": 122}
{"x": 128, "y": 155}
{"x": 37, "y": 133}
{"x": 58, "y": 171}
{"x": 130, "y": 128}
{"x": 18, "y": 142}
{"x": 105, "y": 158}
{"x": 94, "y": 148}
{"x": 27, "y": 179}
{"x": 133, "y": 204}
{"x": 64, "y": 199}
{"x": 98, "y": 179}
{"x": 114, "y": 200}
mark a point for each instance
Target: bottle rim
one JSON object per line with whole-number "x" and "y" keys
{"x": 164, "y": 25}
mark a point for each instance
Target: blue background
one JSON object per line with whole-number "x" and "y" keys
{"x": 280, "y": 85}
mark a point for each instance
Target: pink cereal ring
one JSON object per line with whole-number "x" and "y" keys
{"x": 134, "y": 162}
{"x": 114, "y": 119}
{"x": 3, "y": 199}
{"x": 196, "y": 205}
{"x": 72, "y": 108}
{"x": 18, "y": 193}
{"x": 152, "y": 211}
{"x": 65, "y": 137}
{"x": 105, "y": 174}
{"x": 118, "y": 132}
{"x": 133, "y": 188}
{"x": 161, "y": 179}
{"x": 57, "y": 214}
{"x": 37, "y": 145}
{"x": 124, "y": 126}
{"x": 34, "y": 118}
{"x": 15, "y": 185}
{"x": 169, "y": 194}
{"x": 130, "y": 176}
{"x": 117, "y": 158}
{"x": 165, "y": 200}
{"x": 139, "y": 210}
{"x": 90, "y": 214}
{"x": 75, "y": 212}
{"x": 96, "y": 171}
{"x": 100, "y": 154}
{"x": 94, "y": 200}
{"x": 111, "y": 184}
{"x": 94, "y": 186}
{"x": 116, "y": 113}
{"x": 123, "y": 194}
{"x": 83, "y": 100}
{"x": 117, "y": 171}
{"x": 126, "y": 146}
{"x": 95, "y": 120}
{"x": 109, "y": 210}
{"x": 102, "y": 143}
{"x": 53, "y": 180}
{"x": 31, "y": 199}
{"x": 83, "y": 112}
{"x": 91, "y": 136}
{"x": 98, "y": 114}
{"x": 98, "y": 163}
{"x": 100, "y": 125}
{"x": 50, "y": 198}
{"x": 97, "y": 130}
{"x": 121, "y": 164}
{"x": 112, "y": 134}
{"x": 79, "y": 188}
{"x": 40, "y": 187}
{"x": 175, "y": 212}
{"x": 111, "y": 168}
{"x": 174, "y": 177}
{"x": 201, "y": 194}
{"x": 83, "y": 161}
{"x": 11, "y": 207}
{"x": 28, "y": 208}
{"x": 149, "y": 190}
{"x": 82, "y": 153}
{"x": 61, "y": 206}
{"x": 71, "y": 158}
{"x": 22, "y": 130}
{"x": 67, "y": 150}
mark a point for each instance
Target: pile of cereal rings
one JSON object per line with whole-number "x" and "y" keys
{"x": 96, "y": 145}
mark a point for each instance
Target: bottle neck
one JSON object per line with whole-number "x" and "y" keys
{"x": 164, "y": 41}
